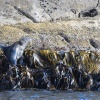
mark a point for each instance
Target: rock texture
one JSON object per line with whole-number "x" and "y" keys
{"x": 53, "y": 24}
{"x": 13, "y": 11}
{"x": 62, "y": 35}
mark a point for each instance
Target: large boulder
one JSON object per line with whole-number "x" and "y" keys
{"x": 13, "y": 11}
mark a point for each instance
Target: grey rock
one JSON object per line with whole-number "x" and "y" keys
{"x": 44, "y": 10}
{"x": 95, "y": 43}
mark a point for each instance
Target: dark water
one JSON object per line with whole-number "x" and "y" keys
{"x": 48, "y": 95}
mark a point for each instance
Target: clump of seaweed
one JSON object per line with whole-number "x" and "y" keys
{"x": 47, "y": 69}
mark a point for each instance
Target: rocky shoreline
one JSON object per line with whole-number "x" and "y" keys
{"x": 71, "y": 24}
{"x": 48, "y": 69}
{"x": 78, "y": 34}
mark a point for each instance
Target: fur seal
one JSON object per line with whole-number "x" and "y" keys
{"x": 15, "y": 51}
{"x": 4, "y": 48}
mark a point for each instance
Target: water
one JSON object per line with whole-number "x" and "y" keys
{"x": 48, "y": 95}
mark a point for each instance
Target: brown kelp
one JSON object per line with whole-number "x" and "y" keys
{"x": 47, "y": 69}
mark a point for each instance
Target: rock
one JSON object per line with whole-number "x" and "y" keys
{"x": 95, "y": 43}
{"x": 91, "y": 12}
{"x": 14, "y": 11}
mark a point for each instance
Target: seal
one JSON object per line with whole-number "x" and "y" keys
{"x": 4, "y": 48}
{"x": 15, "y": 51}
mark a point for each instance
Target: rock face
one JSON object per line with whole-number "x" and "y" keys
{"x": 52, "y": 23}
{"x": 13, "y": 11}
{"x": 62, "y": 35}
